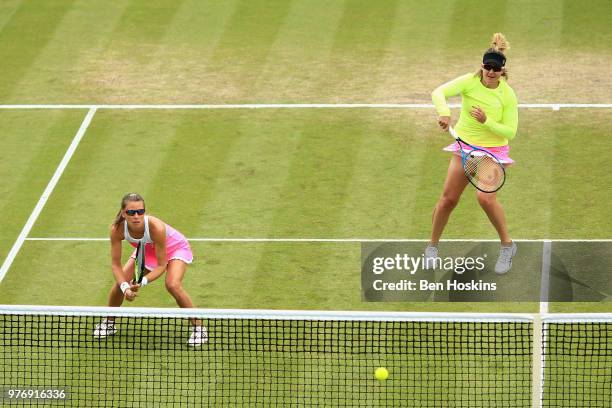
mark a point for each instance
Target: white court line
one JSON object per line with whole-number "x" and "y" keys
{"x": 539, "y": 331}
{"x": 545, "y": 281}
{"x": 331, "y": 240}
{"x": 45, "y": 195}
{"x": 553, "y": 106}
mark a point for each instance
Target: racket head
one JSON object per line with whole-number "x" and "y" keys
{"x": 482, "y": 169}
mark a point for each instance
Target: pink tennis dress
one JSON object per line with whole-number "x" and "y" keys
{"x": 177, "y": 246}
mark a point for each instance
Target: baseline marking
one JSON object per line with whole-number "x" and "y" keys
{"x": 45, "y": 195}
{"x": 553, "y": 106}
{"x": 331, "y": 240}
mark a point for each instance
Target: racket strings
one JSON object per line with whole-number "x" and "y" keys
{"x": 484, "y": 172}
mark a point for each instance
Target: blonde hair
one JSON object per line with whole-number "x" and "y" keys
{"x": 499, "y": 44}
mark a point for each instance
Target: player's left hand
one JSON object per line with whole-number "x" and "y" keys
{"x": 478, "y": 114}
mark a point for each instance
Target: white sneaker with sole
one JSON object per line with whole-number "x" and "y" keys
{"x": 431, "y": 254}
{"x": 199, "y": 336}
{"x": 104, "y": 329}
{"x": 504, "y": 261}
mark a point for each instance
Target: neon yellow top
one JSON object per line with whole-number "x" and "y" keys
{"x": 499, "y": 104}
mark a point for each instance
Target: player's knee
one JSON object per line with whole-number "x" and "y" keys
{"x": 173, "y": 286}
{"x": 485, "y": 200}
{"x": 448, "y": 202}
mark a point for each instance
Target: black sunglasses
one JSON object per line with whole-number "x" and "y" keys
{"x": 134, "y": 212}
{"x": 493, "y": 68}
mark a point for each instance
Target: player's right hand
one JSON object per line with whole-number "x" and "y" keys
{"x": 444, "y": 122}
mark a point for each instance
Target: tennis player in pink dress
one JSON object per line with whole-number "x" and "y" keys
{"x": 166, "y": 250}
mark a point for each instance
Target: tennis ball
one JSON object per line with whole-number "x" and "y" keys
{"x": 381, "y": 374}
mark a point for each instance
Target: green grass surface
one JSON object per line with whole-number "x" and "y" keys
{"x": 277, "y": 173}
{"x": 280, "y": 173}
{"x": 32, "y": 145}
{"x": 69, "y": 51}
{"x": 371, "y": 173}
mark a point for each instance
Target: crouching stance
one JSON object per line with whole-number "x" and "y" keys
{"x": 165, "y": 250}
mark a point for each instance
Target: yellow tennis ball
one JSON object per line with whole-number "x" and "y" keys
{"x": 381, "y": 374}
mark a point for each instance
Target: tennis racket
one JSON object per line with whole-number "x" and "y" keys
{"x": 139, "y": 267}
{"x": 481, "y": 168}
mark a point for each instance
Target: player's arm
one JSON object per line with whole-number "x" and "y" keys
{"x": 445, "y": 91}
{"x": 509, "y": 123}
{"x": 158, "y": 235}
{"x": 128, "y": 289}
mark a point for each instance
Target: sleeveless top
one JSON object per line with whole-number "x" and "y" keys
{"x": 146, "y": 237}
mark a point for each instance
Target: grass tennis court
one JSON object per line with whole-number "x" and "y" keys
{"x": 284, "y": 173}
{"x": 276, "y": 173}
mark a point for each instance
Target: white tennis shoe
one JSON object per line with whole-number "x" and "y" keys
{"x": 104, "y": 329}
{"x": 199, "y": 336}
{"x": 431, "y": 254}
{"x": 504, "y": 261}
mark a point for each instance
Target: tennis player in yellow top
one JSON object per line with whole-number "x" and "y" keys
{"x": 488, "y": 119}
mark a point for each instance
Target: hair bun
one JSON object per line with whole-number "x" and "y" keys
{"x": 499, "y": 43}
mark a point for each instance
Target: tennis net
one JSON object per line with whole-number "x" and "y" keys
{"x": 289, "y": 358}
{"x": 577, "y": 361}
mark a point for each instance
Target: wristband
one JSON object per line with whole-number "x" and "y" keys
{"x": 144, "y": 281}
{"x": 124, "y": 286}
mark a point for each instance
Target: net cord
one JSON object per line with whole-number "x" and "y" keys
{"x": 303, "y": 314}
{"x": 265, "y": 314}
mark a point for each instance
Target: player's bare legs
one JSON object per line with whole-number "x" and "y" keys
{"x": 453, "y": 188}
{"x": 175, "y": 271}
{"x": 495, "y": 212}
